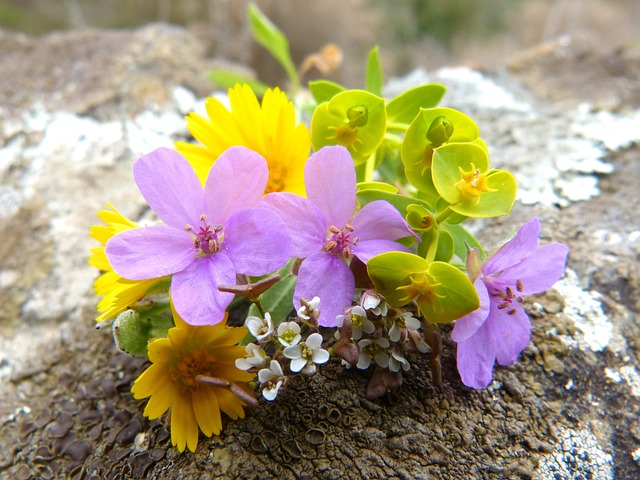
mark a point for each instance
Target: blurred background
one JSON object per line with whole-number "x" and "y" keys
{"x": 429, "y": 33}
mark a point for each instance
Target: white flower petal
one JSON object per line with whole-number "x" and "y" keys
{"x": 320, "y": 356}
{"x": 275, "y": 367}
{"x": 293, "y": 352}
{"x": 364, "y": 361}
{"x": 298, "y": 364}
{"x": 382, "y": 359}
{"x": 314, "y": 341}
{"x": 265, "y": 375}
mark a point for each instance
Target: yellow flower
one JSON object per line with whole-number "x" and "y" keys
{"x": 173, "y": 380}
{"x": 269, "y": 129}
{"x": 119, "y": 293}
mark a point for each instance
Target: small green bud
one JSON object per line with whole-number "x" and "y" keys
{"x": 440, "y": 131}
{"x": 419, "y": 218}
{"x": 358, "y": 116}
{"x": 131, "y": 332}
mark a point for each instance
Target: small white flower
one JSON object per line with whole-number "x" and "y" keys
{"x": 306, "y": 355}
{"x": 373, "y": 350}
{"x": 310, "y": 310}
{"x": 397, "y": 361}
{"x": 399, "y": 321}
{"x": 289, "y": 333}
{"x": 255, "y": 358}
{"x": 373, "y": 301}
{"x": 271, "y": 379}
{"x": 357, "y": 316}
{"x": 260, "y": 328}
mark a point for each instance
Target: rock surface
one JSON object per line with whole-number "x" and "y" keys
{"x": 78, "y": 108}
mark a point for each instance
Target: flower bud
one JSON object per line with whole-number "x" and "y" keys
{"x": 440, "y": 131}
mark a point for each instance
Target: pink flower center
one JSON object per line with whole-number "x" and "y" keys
{"x": 339, "y": 242}
{"x": 208, "y": 239}
{"x": 508, "y": 297}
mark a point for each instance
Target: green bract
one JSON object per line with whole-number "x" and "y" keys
{"x": 355, "y": 119}
{"x": 461, "y": 175}
{"x": 403, "y": 108}
{"x": 430, "y": 129}
{"x": 442, "y": 292}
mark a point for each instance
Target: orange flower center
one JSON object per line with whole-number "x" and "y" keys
{"x": 190, "y": 365}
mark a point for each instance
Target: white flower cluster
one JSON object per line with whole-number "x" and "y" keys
{"x": 285, "y": 341}
{"x": 374, "y": 333}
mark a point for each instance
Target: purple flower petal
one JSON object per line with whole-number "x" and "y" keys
{"x": 170, "y": 187}
{"x": 539, "y": 271}
{"x": 236, "y": 181}
{"x": 469, "y": 324}
{"x": 303, "y": 219}
{"x": 328, "y": 277}
{"x": 256, "y": 241}
{"x": 475, "y": 358}
{"x": 523, "y": 244}
{"x": 511, "y": 333}
{"x": 330, "y": 180}
{"x": 370, "y": 248}
{"x": 195, "y": 293}
{"x": 150, "y": 252}
{"x": 380, "y": 220}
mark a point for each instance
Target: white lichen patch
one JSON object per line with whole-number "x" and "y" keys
{"x": 629, "y": 374}
{"x": 556, "y": 155}
{"x": 584, "y": 308}
{"x": 578, "y": 454}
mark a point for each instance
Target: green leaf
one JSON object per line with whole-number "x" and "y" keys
{"x": 447, "y": 162}
{"x": 228, "y": 79}
{"x": 443, "y": 293}
{"x": 374, "y": 75}
{"x": 452, "y": 159}
{"x": 324, "y": 90}
{"x": 400, "y": 202}
{"x": 462, "y": 240}
{"x": 391, "y": 270}
{"x": 417, "y": 149}
{"x": 405, "y": 107}
{"x": 355, "y": 119}
{"x": 271, "y": 38}
{"x": 133, "y": 329}
{"x": 379, "y": 186}
{"x": 278, "y": 300}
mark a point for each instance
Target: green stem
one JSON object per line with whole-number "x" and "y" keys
{"x": 443, "y": 215}
{"x": 433, "y": 245}
{"x": 434, "y": 340}
{"x": 370, "y": 167}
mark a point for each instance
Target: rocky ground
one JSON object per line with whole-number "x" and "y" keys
{"x": 78, "y": 108}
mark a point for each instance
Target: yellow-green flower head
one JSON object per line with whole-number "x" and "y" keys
{"x": 269, "y": 128}
{"x": 119, "y": 293}
{"x": 172, "y": 380}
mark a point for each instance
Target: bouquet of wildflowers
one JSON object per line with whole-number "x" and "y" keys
{"x": 346, "y": 237}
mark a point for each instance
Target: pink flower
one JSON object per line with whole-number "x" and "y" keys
{"x": 500, "y": 329}
{"x": 327, "y": 231}
{"x": 210, "y": 234}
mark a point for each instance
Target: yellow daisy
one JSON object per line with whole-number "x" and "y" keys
{"x": 119, "y": 293}
{"x": 269, "y": 129}
{"x": 175, "y": 379}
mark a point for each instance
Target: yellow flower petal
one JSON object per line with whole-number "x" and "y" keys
{"x": 229, "y": 403}
{"x": 269, "y": 128}
{"x": 184, "y": 427}
{"x": 207, "y": 410}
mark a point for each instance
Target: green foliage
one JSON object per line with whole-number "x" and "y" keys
{"x": 133, "y": 329}
{"x": 227, "y": 79}
{"x": 374, "y": 76}
{"x": 276, "y": 43}
{"x": 355, "y": 119}
{"x": 443, "y": 293}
